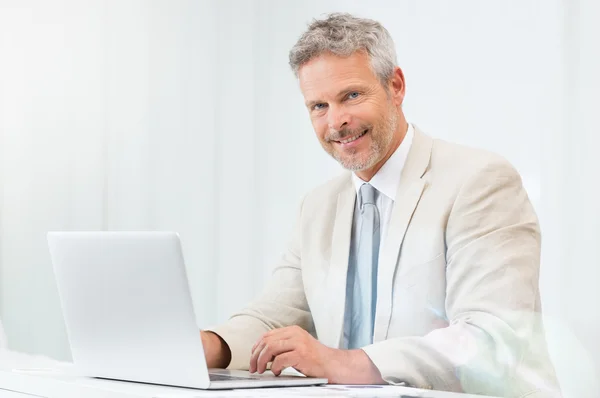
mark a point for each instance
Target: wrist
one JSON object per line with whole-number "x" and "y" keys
{"x": 354, "y": 367}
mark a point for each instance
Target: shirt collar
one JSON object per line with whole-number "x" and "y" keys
{"x": 387, "y": 179}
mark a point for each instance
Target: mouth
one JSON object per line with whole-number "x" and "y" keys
{"x": 353, "y": 139}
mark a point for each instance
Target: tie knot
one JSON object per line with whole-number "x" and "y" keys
{"x": 367, "y": 194}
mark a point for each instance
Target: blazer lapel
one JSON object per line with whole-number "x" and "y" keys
{"x": 409, "y": 193}
{"x": 338, "y": 268}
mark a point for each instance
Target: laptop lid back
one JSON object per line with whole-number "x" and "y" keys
{"x": 127, "y": 307}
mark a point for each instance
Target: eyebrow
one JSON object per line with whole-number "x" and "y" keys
{"x": 349, "y": 89}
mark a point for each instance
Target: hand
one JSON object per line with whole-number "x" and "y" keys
{"x": 216, "y": 350}
{"x": 295, "y": 347}
{"x": 290, "y": 346}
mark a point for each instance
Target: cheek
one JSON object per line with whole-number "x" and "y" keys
{"x": 365, "y": 113}
{"x": 320, "y": 128}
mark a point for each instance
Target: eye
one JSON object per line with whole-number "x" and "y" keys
{"x": 353, "y": 95}
{"x": 319, "y": 106}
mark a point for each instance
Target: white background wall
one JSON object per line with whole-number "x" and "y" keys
{"x": 183, "y": 115}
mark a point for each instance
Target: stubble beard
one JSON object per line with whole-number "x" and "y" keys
{"x": 381, "y": 138}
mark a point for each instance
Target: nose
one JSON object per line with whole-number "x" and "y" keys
{"x": 338, "y": 118}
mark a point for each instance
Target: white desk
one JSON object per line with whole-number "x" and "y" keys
{"x": 59, "y": 383}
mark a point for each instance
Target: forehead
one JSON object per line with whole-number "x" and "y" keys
{"x": 327, "y": 74}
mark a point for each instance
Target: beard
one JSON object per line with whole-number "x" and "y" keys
{"x": 352, "y": 159}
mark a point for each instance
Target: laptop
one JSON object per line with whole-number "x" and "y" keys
{"x": 129, "y": 316}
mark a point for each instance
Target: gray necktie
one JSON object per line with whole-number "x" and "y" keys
{"x": 363, "y": 268}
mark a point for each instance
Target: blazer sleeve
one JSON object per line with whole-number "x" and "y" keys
{"x": 492, "y": 298}
{"x": 282, "y": 303}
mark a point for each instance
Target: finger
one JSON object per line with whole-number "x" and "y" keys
{"x": 255, "y": 345}
{"x": 279, "y": 334}
{"x": 283, "y": 361}
{"x": 286, "y": 333}
{"x": 260, "y": 340}
{"x": 259, "y": 346}
{"x": 271, "y": 350}
{"x": 258, "y": 351}
{"x": 268, "y": 340}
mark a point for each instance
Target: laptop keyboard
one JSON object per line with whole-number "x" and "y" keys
{"x": 218, "y": 377}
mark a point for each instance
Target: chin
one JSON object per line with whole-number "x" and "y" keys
{"x": 356, "y": 165}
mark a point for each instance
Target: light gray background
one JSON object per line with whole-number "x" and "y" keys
{"x": 183, "y": 115}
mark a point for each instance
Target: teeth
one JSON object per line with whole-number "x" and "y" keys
{"x": 353, "y": 138}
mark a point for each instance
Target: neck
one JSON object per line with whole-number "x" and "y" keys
{"x": 399, "y": 135}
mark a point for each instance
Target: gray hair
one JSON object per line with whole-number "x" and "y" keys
{"x": 343, "y": 34}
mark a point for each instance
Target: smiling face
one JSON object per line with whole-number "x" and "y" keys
{"x": 358, "y": 121}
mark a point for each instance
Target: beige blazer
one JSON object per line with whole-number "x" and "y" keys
{"x": 458, "y": 304}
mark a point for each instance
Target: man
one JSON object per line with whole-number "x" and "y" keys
{"x": 418, "y": 267}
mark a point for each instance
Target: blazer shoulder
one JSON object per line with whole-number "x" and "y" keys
{"x": 464, "y": 160}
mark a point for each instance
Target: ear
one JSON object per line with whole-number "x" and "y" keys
{"x": 397, "y": 86}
